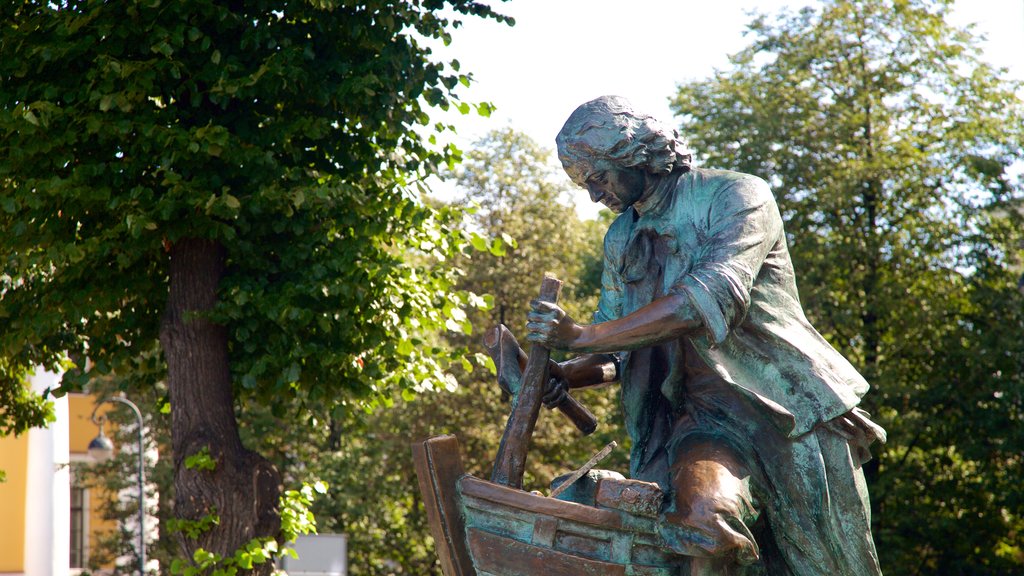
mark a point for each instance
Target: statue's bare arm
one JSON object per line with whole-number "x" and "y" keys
{"x": 666, "y": 318}
{"x": 589, "y": 370}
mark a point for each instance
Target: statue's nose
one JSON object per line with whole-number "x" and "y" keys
{"x": 595, "y": 194}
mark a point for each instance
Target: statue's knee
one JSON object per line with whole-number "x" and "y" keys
{"x": 712, "y": 504}
{"x": 712, "y": 532}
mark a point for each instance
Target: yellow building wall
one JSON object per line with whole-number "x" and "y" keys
{"x": 14, "y": 462}
{"x": 81, "y": 431}
{"x": 14, "y": 453}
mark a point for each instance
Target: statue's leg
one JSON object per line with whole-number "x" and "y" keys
{"x": 817, "y": 507}
{"x": 711, "y": 508}
{"x": 849, "y": 517}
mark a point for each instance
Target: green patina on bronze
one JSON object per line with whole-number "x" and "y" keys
{"x": 746, "y": 436}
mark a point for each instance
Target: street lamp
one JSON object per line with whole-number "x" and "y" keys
{"x": 102, "y": 448}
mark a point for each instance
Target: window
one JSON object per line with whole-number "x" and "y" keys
{"x": 79, "y": 536}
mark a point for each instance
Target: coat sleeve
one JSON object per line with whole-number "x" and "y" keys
{"x": 742, "y": 226}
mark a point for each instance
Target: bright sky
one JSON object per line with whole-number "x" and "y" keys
{"x": 562, "y": 53}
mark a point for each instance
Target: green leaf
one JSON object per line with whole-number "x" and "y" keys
{"x": 509, "y": 240}
{"x": 163, "y": 48}
{"x": 486, "y": 361}
{"x": 497, "y": 247}
{"x": 405, "y": 347}
{"x": 201, "y": 460}
{"x": 478, "y": 242}
{"x": 75, "y": 253}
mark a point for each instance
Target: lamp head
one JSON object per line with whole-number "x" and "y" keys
{"x": 101, "y": 448}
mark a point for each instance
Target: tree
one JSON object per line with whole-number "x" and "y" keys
{"x": 227, "y": 183}
{"x": 519, "y": 191}
{"x": 890, "y": 145}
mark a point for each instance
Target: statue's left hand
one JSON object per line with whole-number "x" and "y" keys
{"x": 558, "y": 386}
{"x": 550, "y": 326}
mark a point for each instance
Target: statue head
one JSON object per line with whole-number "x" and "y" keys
{"x": 608, "y": 131}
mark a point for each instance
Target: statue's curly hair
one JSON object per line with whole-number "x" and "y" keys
{"x": 609, "y": 129}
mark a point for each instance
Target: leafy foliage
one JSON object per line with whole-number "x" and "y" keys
{"x": 201, "y": 460}
{"x": 296, "y": 519}
{"x": 20, "y": 408}
{"x": 890, "y": 146}
{"x": 193, "y": 528}
{"x": 280, "y": 129}
{"x": 519, "y": 190}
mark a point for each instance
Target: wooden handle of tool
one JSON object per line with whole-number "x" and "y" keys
{"x": 583, "y": 419}
{"x": 510, "y": 464}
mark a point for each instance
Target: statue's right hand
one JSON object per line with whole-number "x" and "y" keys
{"x": 549, "y": 325}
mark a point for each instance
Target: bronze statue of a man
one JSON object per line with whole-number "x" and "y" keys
{"x": 743, "y": 414}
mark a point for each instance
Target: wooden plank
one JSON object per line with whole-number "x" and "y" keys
{"x": 438, "y": 468}
{"x": 510, "y": 463}
{"x": 586, "y": 546}
{"x": 544, "y": 530}
{"x": 470, "y": 486}
{"x": 506, "y": 557}
{"x": 633, "y": 496}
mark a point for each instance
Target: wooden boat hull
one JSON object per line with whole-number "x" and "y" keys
{"x": 485, "y": 529}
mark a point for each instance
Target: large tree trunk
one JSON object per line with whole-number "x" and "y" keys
{"x": 243, "y": 488}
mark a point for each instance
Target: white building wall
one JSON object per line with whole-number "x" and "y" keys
{"x": 48, "y": 495}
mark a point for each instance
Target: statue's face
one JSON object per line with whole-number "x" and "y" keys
{"x": 615, "y": 187}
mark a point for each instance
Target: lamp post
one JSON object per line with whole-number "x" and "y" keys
{"x": 102, "y": 448}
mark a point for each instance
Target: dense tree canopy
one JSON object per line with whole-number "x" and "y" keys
{"x": 517, "y": 190}
{"x": 219, "y": 194}
{"x": 282, "y": 130}
{"x": 891, "y": 147}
